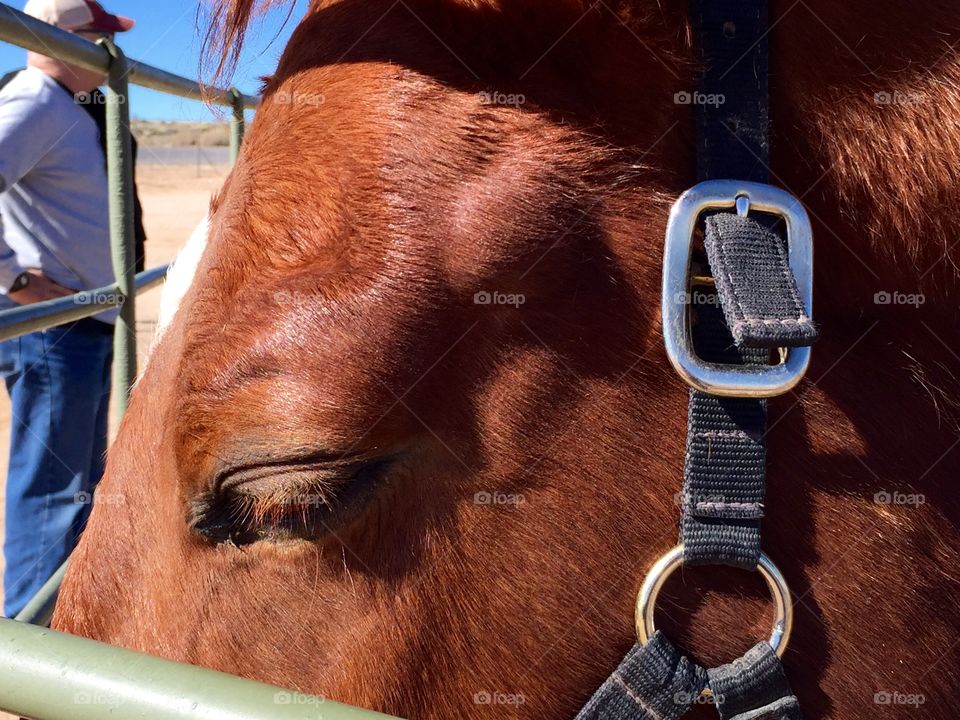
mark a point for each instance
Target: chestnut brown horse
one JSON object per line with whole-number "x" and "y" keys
{"x": 411, "y": 440}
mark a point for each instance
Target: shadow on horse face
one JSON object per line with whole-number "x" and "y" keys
{"x": 395, "y": 415}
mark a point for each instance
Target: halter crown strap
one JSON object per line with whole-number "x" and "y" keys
{"x": 759, "y": 302}
{"x": 752, "y": 304}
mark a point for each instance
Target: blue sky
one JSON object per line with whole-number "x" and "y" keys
{"x": 166, "y": 35}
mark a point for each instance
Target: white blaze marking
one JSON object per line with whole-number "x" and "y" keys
{"x": 180, "y": 277}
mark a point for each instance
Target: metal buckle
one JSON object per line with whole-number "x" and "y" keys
{"x": 731, "y": 380}
{"x": 664, "y": 567}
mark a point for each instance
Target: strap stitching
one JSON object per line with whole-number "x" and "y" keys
{"x": 725, "y": 505}
{"x": 787, "y": 322}
{"x": 722, "y": 433}
{"x": 626, "y": 688}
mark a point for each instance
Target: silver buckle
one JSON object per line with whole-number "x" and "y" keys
{"x": 731, "y": 380}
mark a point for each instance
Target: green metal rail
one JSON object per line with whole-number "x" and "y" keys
{"x": 40, "y": 316}
{"x": 54, "y": 676}
{"x": 39, "y": 611}
{"x": 28, "y": 32}
{"x": 48, "y": 675}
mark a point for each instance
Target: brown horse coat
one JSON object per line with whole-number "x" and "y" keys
{"x": 504, "y": 473}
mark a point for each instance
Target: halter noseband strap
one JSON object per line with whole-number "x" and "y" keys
{"x": 757, "y": 299}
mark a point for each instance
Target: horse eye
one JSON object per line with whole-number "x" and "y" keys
{"x": 286, "y": 501}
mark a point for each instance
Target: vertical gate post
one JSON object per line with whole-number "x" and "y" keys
{"x": 122, "y": 243}
{"x": 236, "y": 124}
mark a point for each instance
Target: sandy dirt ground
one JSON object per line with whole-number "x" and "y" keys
{"x": 175, "y": 199}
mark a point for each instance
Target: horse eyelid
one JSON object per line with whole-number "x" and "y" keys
{"x": 316, "y": 491}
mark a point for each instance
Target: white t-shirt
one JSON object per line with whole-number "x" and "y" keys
{"x": 53, "y": 187}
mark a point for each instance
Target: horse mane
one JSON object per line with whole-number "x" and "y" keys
{"x": 228, "y": 21}
{"x": 226, "y": 31}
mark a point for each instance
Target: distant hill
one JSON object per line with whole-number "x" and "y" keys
{"x": 162, "y": 133}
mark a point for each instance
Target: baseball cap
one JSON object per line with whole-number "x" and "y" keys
{"x": 77, "y": 14}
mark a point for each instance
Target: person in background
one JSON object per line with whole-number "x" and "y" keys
{"x": 54, "y": 240}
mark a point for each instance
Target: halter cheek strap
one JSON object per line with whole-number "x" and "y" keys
{"x": 653, "y": 682}
{"x": 754, "y": 688}
{"x": 751, "y": 303}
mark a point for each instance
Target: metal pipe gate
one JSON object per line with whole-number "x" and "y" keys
{"x": 49, "y": 675}
{"x": 46, "y": 675}
{"x": 32, "y": 34}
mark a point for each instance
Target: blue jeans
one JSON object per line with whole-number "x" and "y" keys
{"x": 59, "y": 385}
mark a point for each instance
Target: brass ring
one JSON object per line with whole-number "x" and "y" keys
{"x": 662, "y": 569}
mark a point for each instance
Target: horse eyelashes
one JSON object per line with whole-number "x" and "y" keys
{"x": 286, "y": 502}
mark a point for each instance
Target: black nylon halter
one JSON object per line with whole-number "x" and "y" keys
{"x": 756, "y": 307}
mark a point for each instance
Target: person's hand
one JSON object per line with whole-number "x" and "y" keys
{"x": 39, "y": 288}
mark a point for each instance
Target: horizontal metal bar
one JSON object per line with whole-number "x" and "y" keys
{"x": 28, "y": 32}
{"x": 55, "y": 676}
{"x": 40, "y": 608}
{"x": 40, "y": 316}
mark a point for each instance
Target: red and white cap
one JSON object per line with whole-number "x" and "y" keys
{"x": 76, "y": 15}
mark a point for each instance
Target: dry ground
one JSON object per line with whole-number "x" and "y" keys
{"x": 157, "y": 133}
{"x": 174, "y": 199}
